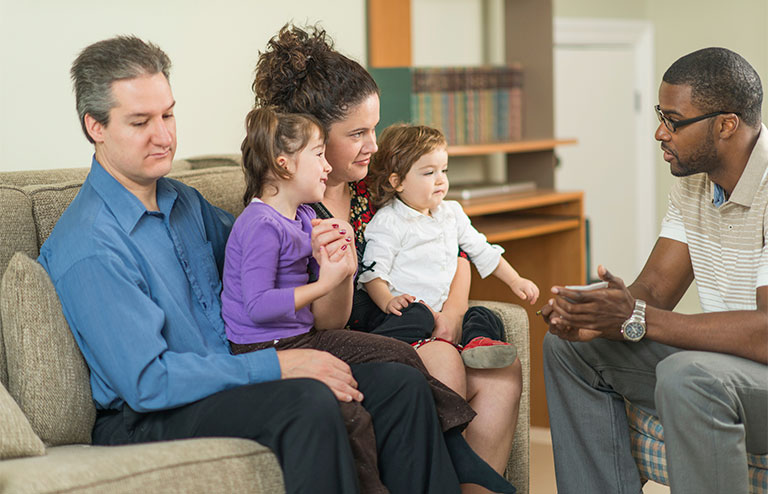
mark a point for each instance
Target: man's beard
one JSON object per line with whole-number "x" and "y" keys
{"x": 703, "y": 160}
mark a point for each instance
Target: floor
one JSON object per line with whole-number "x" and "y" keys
{"x": 543, "y": 468}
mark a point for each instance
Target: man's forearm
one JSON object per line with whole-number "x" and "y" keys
{"x": 740, "y": 333}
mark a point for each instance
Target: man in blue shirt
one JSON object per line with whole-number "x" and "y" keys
{"x": 136, "y": 261}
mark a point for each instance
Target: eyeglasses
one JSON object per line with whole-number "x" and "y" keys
{"x": 673, "y": 125}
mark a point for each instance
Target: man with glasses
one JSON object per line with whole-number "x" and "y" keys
{"x": 704, "y": 375}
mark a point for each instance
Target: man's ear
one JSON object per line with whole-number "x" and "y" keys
{"x": 729, "y": 124}
{"x": 394, "y": 181}
{"x": 94, "y": 128}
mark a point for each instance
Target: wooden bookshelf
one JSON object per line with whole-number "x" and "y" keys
{"x": 525, "y": 146}
{"x": 542, "y": 231}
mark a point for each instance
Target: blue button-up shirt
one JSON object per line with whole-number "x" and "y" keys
{"x": 140, "y": 291}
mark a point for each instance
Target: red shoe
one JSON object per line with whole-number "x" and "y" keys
{"x": 485, "y": 353}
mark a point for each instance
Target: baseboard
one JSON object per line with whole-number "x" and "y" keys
{"x": 540, "y": 435}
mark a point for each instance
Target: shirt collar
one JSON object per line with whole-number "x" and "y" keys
{"x": 126, "y": 207}
{"x": 408, "y": 212}
{"x": 752, "y": 176}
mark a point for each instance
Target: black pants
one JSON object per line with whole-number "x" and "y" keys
{"x": 417, "y": 322}
{"x": 299, "y": 420}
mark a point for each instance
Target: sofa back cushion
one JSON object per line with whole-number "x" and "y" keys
{"x": 18, "y": 234}
{"x": 48, "y": 204}
{"x": 221, "y": 186}
{"x": 47, "y": 375}
{"x": 16, "y": 224}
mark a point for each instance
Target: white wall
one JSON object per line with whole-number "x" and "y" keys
{"x": 213, "y": 47}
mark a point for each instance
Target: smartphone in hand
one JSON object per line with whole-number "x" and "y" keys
{"x": 588, "y": 288}
{"x": 585, "y": 288}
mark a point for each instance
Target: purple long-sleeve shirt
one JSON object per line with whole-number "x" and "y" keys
{"x": 268, "y": 255}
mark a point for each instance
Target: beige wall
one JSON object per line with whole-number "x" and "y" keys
{"x": 633, "y": 9}
{"x": 681, "y": 27}
{"x": 213, "y": 46}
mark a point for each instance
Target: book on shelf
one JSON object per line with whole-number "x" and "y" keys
{"x": 473, "y": 191}
{"x": 470, "y": 105}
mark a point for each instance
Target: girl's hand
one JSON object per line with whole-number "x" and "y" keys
{"x": 333, "y": 269}
{"x": 332, "y": 234}
{"x": 396, "y": 304}
{"x": 525, "y": 289}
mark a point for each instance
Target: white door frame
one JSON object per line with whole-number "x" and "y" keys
{"x": 638, "y": 36}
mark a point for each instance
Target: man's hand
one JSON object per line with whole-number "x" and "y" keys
{"x": 584, "y": 315}
{"x": 396, "y": 304}
{"x": 324, "y": 367}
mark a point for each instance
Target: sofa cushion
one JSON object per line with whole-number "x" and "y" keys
{"x": 51, "y": 176}
{"x": 49, "y": 201}
{"x": 222, "y": 186}
{"x": 515, "y": 320}
{"x": 215, "y": 160}
{"x": 188, "y": 466}
{"x": 18, "y": 234}
{"x": 17, "y": 439}
{"x": 46, "y": 372}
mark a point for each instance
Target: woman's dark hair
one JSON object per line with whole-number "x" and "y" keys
{"x": 720, "y": 80}
{"x": 270, "y": 134}
{"x": 300, "y": 72}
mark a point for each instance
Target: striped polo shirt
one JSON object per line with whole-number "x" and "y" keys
{"x": 727, "y": 244}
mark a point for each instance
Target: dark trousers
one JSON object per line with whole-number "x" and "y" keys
{"x": 299, "y": 420}
{"x": 417, "y": 322}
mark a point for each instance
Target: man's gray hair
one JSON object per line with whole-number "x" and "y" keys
{"x": 107, "y": 61}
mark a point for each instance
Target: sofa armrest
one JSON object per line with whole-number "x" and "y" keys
{"x": 515, "y": 321}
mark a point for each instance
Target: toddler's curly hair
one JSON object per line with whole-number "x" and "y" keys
{"x": 400, "y": 146}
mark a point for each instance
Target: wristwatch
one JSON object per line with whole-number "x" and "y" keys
{"x": 633, "y": 328}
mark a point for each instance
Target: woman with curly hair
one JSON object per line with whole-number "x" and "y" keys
{"x": 301, "y": 72}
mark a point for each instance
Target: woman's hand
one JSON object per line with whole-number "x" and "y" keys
{"x": 333, "y": 234}
{"x": 447, "y": 324}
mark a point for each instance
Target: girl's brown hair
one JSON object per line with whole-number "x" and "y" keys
{"x": 300, "y": 72}
{"x": 400, "y": 146}
{"x": 270, "y": 134}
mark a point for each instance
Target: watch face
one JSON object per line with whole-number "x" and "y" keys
{"x": 634, "y": 331}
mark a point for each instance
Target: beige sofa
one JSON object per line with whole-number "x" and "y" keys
{"x": 46, "y": 410}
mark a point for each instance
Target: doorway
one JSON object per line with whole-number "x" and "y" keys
{"x": 603, "y": 85}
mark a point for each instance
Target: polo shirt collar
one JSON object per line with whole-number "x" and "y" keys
{"x": 752, "y": 176}
{"x": 126, "y": 207}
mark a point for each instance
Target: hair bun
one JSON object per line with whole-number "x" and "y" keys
{"x": 291, "y": 54}
{"x": 300, "y": 72}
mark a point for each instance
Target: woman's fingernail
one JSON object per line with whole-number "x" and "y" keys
{"x": 343, "y": 247}
{"x": 334, "y": 225}
{"x": 342, "y": 232}
{"x": 348, "y": 239}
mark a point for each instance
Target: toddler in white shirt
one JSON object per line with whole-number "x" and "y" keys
{"x": 412, "y": 242}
